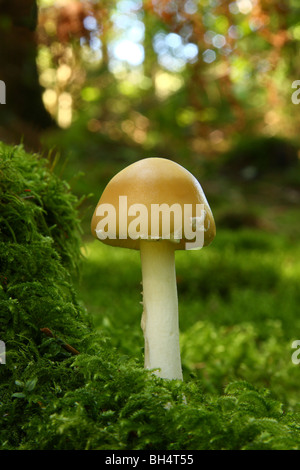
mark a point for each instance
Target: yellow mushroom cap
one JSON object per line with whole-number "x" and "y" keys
{"x": 148, "y": 182}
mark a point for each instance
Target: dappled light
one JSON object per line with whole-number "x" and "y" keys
{"x": 222, "y": 66}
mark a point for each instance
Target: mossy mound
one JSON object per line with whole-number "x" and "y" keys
{"x": 53, "y": 398}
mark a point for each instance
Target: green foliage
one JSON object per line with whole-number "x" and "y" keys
{"x": 219, "y": 355}
{"x": 238, "y": 308}
{"x": 102, "y": 398}
{"x": 39, "y": 249}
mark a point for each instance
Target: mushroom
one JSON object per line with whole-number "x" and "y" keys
{"x": 153, "y": 205}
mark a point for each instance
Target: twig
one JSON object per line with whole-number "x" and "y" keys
{"x": 66, "y": 346}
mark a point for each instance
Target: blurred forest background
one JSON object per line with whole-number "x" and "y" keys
{"x": 208, "y": 84}
{"x": 95, "y": 85}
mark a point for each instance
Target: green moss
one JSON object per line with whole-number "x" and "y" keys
{"x": 101, "y": 398}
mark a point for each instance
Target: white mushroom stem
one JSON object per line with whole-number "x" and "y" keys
{"x": 160, "y": 316}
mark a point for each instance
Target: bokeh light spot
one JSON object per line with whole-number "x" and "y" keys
{"x": 209, "y": 56}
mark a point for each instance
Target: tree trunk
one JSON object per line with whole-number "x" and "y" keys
{"x": 23, "y": 116}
